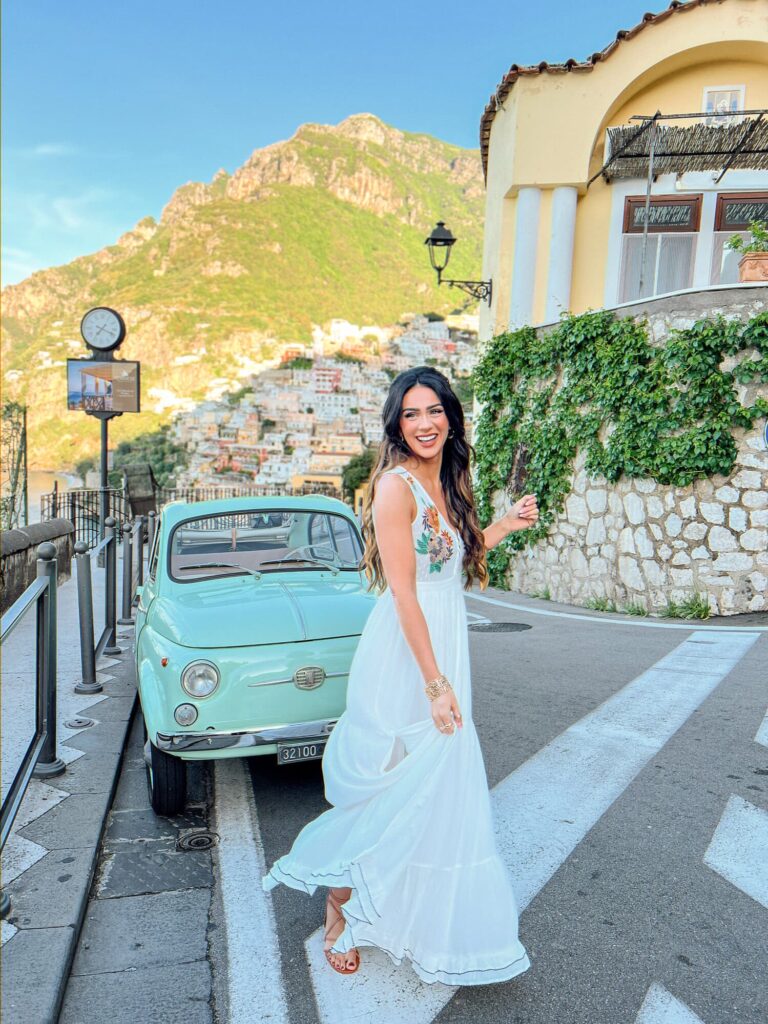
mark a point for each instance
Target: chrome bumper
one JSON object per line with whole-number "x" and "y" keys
{"x": 175, "y": 743}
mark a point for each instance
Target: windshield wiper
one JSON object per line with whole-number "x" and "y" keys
{"x": 312, "y": 561}
{"x": 220, "y": 565}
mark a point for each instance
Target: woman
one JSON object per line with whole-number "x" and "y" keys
{"x": 407, "y": 849}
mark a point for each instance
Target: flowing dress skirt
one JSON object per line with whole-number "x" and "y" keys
{"x": 410, "y": 826}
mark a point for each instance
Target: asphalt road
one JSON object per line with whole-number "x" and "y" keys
{"x": 631, "y": 801}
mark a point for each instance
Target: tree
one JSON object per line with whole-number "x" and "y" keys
{"x": 357, "y": 471}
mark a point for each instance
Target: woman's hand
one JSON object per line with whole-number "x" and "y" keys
{"x": 523, "y": 514}
{"x": 445, "y": 710}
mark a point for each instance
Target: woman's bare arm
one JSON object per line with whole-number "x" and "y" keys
{"x": 524, "y": 513}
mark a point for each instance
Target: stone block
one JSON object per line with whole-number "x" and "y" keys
{"x": 580, "y": 482}
{"x": 654, "y": 507}
{"x": 682, "y": 577}
{"x": 576, "y": 510}
{"x": 721, "y": 539}
{"x": 630, "y": 574}
{"x": 695, "y": 531}
{"x": 645, "y": 485}
{"x": 737, "y": 519}
{"x": 615, "y": 504}
{"x": 669, "y": 501}
{"x": 664, "y": 552}
{"x": 643, "y": 543}
{"x": 759, "y": 517}
{"x": 596, "y": 531}
{"x": 752, "y": 461}
{"x": 681, "y": 558}
{"x": 757, "y": 604}
{"x": 626, "y": 541}
{"x": 608, "y": 551}
{"x": 598, "y": 566}
{"x": 748, "y": 478}
{"x": 634, "y": 508}
{"x": 758, "y": 581}
{"x": 700, "y": 552}
{"x": 712, "y": 511}
{"x": 673, "y": 524}
{"x": 732, "y": 561}
{"x": 597, "y": 499}
{"x": 754, "y": 540}
{"x": 688, "y": 507}
{"x": 755, "y": 499}
{"x": 578, "y": 562}
{"x": 656, "y": 530}
{"x": 654, "y": 573}
{"x": 727, "y": 494}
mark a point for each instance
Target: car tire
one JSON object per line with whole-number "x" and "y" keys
{"x": 166, "y": 779}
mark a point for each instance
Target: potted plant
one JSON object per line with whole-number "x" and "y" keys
{"x": 753, "y": 265}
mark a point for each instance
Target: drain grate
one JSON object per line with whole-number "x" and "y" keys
{"x": 499, "y": 627}
{"x": 79, "y": 722}
{"x": 197, "y": 839}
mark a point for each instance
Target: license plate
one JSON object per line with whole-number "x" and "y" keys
{"x": 308, "y": 750}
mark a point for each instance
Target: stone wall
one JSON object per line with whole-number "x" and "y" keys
{"x": 643, "y": 543}
{"x": 18, "y": 566}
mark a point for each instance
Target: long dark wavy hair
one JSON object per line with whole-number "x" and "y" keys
{"x": 455, "y": 476}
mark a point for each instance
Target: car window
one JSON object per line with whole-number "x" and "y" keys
{"x": 262, "y": 541}
{"x": 155, "y": 552}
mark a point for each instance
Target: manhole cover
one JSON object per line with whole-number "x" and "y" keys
{"x": 78, "y": 723}
{"x": 498, "y": 627}
{"x": 199, "y": 839}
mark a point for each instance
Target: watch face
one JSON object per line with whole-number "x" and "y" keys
{"x": 102, "y": 328}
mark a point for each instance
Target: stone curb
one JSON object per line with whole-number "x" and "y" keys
{"x": 49, "y": 899}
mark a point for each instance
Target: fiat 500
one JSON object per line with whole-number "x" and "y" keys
{"x": 246, "y": 626}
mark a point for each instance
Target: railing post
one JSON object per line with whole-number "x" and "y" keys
{"x": 48, "y": 764}
{"x": 85, "y": 613}
{"x": 110, "y": 588}
{"x": 140, "y": 564}
{"x": 151, "y": 527}
{"x": 125, "y": 616}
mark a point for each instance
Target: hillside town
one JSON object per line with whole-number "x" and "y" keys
{"x": 314, "y": 407}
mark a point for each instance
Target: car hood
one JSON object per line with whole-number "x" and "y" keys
{"x": 244, "y": 612}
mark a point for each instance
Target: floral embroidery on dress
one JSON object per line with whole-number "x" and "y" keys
{"x": 436, "y": 543}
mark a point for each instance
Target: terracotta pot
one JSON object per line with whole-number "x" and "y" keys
{"x": 753, "y": 266}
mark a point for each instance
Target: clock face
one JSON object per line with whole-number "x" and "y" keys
{"x": 102, "y": 328}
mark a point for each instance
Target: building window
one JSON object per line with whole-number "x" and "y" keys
{"x": 673, "y": 225}
{"x": 722, "y": 99}
{"x": 733, "y": 214}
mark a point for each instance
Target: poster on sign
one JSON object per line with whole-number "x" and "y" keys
{"x": 95, "y": 385}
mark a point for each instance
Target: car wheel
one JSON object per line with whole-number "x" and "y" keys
{"x": 166, "y": 779}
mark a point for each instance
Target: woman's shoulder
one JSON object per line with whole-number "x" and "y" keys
{"x": 389, "y": 496}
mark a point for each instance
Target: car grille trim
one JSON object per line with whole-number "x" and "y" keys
{"x": 290, "y": 679}
{"x": 176, "y": 743}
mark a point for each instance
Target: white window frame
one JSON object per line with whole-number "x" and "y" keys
{"x": 740, "y": 89}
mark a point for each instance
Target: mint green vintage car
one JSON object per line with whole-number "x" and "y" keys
{"x": 246, "y": 626}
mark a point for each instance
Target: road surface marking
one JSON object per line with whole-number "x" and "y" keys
{"x": 660, "y": 1007}
{"x": 762, "y": 732}
{"x": 643, "y": 623}
{"x": 739, "y": 848}
{"x": 254, "y": 976}
{"x": 543, "y": 810}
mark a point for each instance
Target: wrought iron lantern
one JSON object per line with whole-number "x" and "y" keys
{"x": 439, "y": 245}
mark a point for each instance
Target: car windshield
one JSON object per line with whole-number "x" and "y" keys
{"x": 262, "y": 542}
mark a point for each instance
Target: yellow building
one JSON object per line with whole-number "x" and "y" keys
{"x": 567, "y": 167}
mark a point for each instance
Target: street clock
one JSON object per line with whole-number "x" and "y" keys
{"x": 102, "y": 328}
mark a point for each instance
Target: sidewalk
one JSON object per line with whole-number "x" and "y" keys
{"x": 49, "y": 860}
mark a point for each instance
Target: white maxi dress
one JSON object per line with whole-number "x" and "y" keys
{"x": 410, "y": 826}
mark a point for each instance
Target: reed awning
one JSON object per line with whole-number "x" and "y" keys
{"x": 635, "y": 150}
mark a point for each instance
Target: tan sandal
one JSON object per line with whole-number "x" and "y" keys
{"x": 333, "y": 931}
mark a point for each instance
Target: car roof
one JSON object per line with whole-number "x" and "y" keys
{"x": 176, "y": 511}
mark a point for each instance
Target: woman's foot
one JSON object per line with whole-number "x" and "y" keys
{"x": 344, "y": 963}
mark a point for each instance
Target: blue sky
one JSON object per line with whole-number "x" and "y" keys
{"x": 109, "y": 106}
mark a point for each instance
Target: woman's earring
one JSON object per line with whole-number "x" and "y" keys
{"x": 450, "y": 433}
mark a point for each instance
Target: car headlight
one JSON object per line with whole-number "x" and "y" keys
{"x": 200, "y": 678}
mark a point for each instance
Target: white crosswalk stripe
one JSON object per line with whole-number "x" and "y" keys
{"x": 739, "y": 848}
{"x": 660, "y": 1007}
{"x": 762, "y": 732}
{"x": 544, "y": 809}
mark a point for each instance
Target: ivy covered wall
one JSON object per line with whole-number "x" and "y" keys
{"x": 641, "y": 437}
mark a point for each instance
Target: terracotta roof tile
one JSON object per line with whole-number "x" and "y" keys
{"x": 517, "y": 70}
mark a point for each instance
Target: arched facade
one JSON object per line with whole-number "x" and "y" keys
{"x": 553, "y": 243}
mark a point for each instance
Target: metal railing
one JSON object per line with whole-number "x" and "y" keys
{"x": 82, "y": 507}
{"x": 40, "y": 760}
{"x": 91, "y": 649}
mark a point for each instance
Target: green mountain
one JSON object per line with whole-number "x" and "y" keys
{"x": 330, "y": 223}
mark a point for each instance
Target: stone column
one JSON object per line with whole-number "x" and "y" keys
{"x": 524, "y": 263}
{"x": 561, "y": 252}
